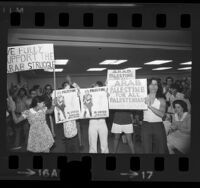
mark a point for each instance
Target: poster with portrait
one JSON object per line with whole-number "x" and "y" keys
{"x": 126, "y": 92}
{"x": 94, "y": 103}
{"x": 68, "y": 105}
{"x": 30, "y": 57}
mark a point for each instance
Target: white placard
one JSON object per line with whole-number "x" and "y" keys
{"x": 94, "y": 102}
{"x": 30, "y": 57}
{"x": 68, "y": 107}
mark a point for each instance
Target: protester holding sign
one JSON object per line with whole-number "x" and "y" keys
{"x": 153, "y": 133}
{"x": 70, "y": 130}
{"x": 75, "y": 85}
{"x": 98, "y": 127}
{"x": 40, "y": 138}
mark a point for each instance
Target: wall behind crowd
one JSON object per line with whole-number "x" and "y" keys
{"x": 83, "y": 81}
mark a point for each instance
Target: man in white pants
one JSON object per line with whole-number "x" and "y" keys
{"x": 98, "y": 127}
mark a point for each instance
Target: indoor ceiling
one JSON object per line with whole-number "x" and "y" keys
{"x": 87, "y": 48}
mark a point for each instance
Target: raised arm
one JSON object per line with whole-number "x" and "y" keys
{"x": 12, "y": 107}
{"x": 17, "y": 119}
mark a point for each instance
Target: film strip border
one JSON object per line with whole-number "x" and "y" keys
{"x": 102, "y": 167}
{"x": 101, "y": 17}
{"x": 96, "y": 167}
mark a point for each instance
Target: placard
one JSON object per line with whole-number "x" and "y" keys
{"x": 30, "y": 57}
{"x": 94, "y": 103}
{"x": 127, "y": 93}
{"x": 68, "y": 107}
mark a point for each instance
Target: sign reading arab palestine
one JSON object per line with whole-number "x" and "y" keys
{"x": 126, "y": 92}
{"x": 30, "y": 57}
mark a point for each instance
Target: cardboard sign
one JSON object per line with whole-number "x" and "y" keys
{"x": 126, "y": 92}
{"x": 68, "y": 107}
{"x": 30, "y": 57}
{"x": 94, "y": 102}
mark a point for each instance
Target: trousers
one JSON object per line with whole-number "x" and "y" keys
{"x": 98, "y": 127}
{"x": 154, "y": 139}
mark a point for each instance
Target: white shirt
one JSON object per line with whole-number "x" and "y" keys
{"x": 150, "y": 116}
{"x": 70, "y": 129}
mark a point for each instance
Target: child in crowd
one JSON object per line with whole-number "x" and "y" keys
{"x": 98, "y": 127}
{"x": 40, "y": 138}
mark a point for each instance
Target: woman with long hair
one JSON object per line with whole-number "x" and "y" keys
{"x": 40, "y": 138}
{"x": 153, "y": 133}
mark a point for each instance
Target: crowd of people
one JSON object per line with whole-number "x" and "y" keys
{"x": 163, "y": 128}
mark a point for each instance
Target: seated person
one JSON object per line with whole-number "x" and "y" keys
{"x": 179, "y": 133}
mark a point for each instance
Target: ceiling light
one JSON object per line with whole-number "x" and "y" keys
{"x": 185, "y": 68}
{"x": 186, "y": 63}
{"x": 96, "y": 69}
{"x": 56, "y": 70}
{"x": 112, "y": 62}
{"x": 61, "y": 61}
{"x": 136, "y": 68}
{"x": 158, "y": 62}
{"x": 107, "y": 62}
{"x": 162, "y": 68}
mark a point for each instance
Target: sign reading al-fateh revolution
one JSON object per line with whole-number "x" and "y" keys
{"x": 94, "y": 102}
{"x": 126, "y": 92}
{"x": 30, "y": 57}
{"x": 68, "y": 105}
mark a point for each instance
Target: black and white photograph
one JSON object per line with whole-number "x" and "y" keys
{"x": 55, "y": 78}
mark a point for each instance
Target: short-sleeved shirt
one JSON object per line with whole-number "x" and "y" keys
{"x": 122, "y": 117}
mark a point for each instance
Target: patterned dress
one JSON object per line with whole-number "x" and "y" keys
{"x": 40, "y": 138}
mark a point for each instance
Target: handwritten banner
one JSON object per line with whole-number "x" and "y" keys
{"x": 126, "y": 92}
{"x": 68, "y": 107}
{"x": 94, "y": 102}
{"x": 30, "y": 57}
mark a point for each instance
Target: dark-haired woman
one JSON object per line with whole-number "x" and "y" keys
{"x": 152, "y": 130}
{"x": 40, "y": 138}
{"x": 179, "y": 133}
